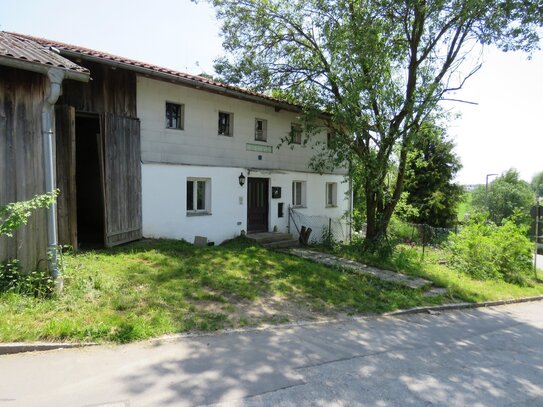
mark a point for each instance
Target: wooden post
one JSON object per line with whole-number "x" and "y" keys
{"x": 423, "y": 239}
{"x": 288, "y": 221}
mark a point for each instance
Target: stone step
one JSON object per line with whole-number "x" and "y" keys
{"x": 282, "y": 244}
{"x": 269, "y": 237}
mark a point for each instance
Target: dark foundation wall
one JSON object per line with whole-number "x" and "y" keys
{"x": 21, "y": 162}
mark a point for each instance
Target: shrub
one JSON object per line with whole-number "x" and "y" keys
{"x": 485, "y": 251}
{"x": 13, "y": 216}
{"x": 401, "y": 231}
{"x": 421, "y": 234}
{"x": 16, "y": 214}
{"x": 36, "y": 283}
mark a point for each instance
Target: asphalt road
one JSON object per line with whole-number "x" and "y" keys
{"x": 484, "y": 357}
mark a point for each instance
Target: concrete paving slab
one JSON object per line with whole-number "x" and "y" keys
{"x": 385, "y": 275}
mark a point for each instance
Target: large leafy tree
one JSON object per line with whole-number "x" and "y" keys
{"x": 429, "y": 180}
{"x": 537, "y": 183}
{"x": 506, "y": 195}
{"x": 376, "y": 68}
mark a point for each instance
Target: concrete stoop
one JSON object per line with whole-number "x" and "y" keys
{"x": 274, "y": 240}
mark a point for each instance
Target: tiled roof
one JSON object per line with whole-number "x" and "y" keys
{"x": 196, "y": 80}
{"x": 27, "y": 50}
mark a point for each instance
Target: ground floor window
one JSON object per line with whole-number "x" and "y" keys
{"x": 298, "y": 193}
{"x": 331, "y": 194}
{"x": 198, "y": 195}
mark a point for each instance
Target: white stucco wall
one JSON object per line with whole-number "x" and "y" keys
{"x": 199, "y": 144}
{"x": 164, "y": 203}
{"x": 164, "y": 200}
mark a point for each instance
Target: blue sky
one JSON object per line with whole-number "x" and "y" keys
{"x": 504, "y": 130}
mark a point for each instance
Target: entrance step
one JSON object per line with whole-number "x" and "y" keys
{"x": 282, "y": 244}
{"x": 274, "y": 240}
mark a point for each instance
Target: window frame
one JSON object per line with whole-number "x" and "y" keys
{"x": 327, "y": 197}
{"x": 302, "y": 195}
{"x": 230, "y": 124}
{"x": 296, "y": 132}
{"x": 180, "y": 118}
{"x": 206, "y": 210}
{"x": 264, "y": 131}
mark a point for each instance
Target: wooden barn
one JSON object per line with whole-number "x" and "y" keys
{"x": 98, "y": 159}
{"x": 95, "y": 149}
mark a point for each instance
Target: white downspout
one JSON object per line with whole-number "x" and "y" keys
{"x": 55, "y": 76}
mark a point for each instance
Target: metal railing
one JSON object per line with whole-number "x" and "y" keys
{"x": 325, "y": 230}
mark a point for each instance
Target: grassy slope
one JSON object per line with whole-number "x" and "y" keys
{"x": 466, "y": 288}
{"x": 157, "y": 287}
{"x": 433, "y": 266}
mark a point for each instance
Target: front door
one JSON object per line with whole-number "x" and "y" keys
{"x": 257, "y": 205}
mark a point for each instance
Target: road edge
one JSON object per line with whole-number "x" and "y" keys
{"x": 21, "y": 347}
{"x": 462, "y": 305}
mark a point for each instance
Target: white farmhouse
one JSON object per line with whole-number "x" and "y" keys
{"x": 215, "y": 165}
{"x": 145, "y": 151}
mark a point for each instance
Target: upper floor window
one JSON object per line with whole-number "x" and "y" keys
{"x": 175, "y": 116}
{"x": 298, "y": 193}
{"x": 261, "y": 129}
{"x": 296, "y": 133}
{"x": 226, "y": 122}
{"x": 331, "y": 194}
{"x": 329, "y": 139}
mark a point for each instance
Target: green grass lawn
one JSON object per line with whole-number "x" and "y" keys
{"x": 155, "y": 287}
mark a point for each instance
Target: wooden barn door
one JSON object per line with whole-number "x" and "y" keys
{"x": 66, "y": 181}
{"x": 121, "y": 164}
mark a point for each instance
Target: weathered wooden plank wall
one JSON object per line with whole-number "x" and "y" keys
{"x": 65, "y": 167}
{"x": 21, "y": 161}
{"x": 110, "y": 90}
{"x": 112, "y": 94}
{"x": 21, "y": 156}
{"x": 122, "y": 169}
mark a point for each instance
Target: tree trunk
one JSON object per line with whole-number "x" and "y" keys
{"x": 378, "y": 212}
{"x": 376, "y": 233}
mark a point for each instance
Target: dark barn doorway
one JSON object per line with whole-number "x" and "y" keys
{"x": 90, "y": 201}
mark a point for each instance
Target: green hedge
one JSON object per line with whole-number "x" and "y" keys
{"x": 487, "y": 251}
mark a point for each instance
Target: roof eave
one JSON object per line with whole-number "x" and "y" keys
{"x": 42, "y": 68}
{"x": 185, "y": 81}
